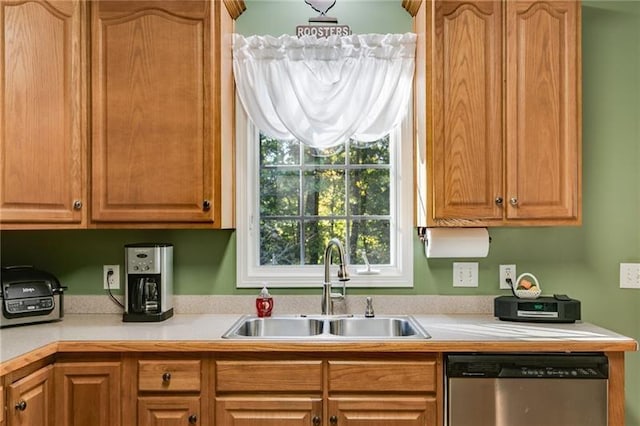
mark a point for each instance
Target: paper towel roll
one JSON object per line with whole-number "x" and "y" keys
{"x": 457, "y": 242}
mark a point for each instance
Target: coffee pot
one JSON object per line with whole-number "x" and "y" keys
{"x": 149, "y": 282}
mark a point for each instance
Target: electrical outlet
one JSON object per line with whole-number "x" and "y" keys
{"x": 111, "y": 276}
{"x": 630, "y": 275}
{"x": 507, "y": 271}
{"x": 465, "y": 274}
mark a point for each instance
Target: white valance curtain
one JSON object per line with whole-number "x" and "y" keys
{"x": 323, "y": 91}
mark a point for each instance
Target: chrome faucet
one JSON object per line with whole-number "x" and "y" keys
{"x": 327, "y": 295}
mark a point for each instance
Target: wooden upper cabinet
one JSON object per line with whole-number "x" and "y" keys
{"x": 467, "y": 111}
{"x": 503, "y": 112}
{"x": 543, "y": 107}
{"x": 156, "y": 105}
{"x": 42, "y": 170}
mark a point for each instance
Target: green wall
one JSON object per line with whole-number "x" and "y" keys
{"x": 582, "y": 262}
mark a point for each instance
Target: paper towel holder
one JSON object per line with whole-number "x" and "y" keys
{"x": 423, "y": 234}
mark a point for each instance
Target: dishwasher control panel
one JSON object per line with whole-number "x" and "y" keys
{"x": 551, "y": 372}
{"x": 547, "y": 366}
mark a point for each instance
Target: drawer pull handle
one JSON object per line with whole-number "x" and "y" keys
{"x": 166, "y": 377}
{"x": 193, "y": 419}
{"x": 333, "y": 420}
{"x": 316, "y": 420}
{"x": 21, "y": 406}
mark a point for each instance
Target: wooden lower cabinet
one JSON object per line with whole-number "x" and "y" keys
{"x": 385, "y": 390}
{"x": 268, "y": 411}
{"x": 87, "y": 393}
{"x": 163, "y": 390}
{"x": 2, "y": 408}
{"x": 29, "y": 400}
{"x": 382, "y": 411}
{"x": 169, "y": 410}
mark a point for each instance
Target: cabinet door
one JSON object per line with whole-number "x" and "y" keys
{"x": 382, "y": 411}
{"x": 168, "y": 410}
{"x": 87, "y": 394}
{"x": 41, "y": 110}
{"x": 29, "y": 400}
{"x": 268, "y": 411}
{"x": 543, "y": 110}
{"x": 465, "y": 103}
{"x": 151, "y": 103}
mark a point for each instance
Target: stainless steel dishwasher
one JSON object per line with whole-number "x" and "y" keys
{"x": 526, "y": 389}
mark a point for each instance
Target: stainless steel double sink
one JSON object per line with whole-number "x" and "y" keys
{"x": 327, "y": 327}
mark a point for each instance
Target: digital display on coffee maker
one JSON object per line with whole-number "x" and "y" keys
{"x": 141, "y": 255}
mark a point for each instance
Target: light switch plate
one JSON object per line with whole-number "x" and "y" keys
{"x": 465, "y": 274}
{"x": 630, "y": 275}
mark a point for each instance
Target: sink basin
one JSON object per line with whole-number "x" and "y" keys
{"x": 376, "y": 327}
{"x": 326, "y": 327}
{"x": 276, "y": 327}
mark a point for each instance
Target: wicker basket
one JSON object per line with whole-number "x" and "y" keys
{"x": 527, "y": 280}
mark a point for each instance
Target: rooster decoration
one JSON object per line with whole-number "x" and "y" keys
{"x": 321, "y": 6}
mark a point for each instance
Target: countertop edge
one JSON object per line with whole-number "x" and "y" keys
{"x": 80, "y": 335}
{"x": 283, "y": 346}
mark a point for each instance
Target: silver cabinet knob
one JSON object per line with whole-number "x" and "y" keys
{"x": 513, "y": 201}
{"x": 206, "y": 205}
{"x": 499, "y": 201}
{"x": 77, "y": 205}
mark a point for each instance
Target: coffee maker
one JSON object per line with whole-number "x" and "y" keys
{"x": 149, "y": 282}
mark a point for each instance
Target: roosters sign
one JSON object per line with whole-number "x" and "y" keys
{"x": 322, "y": 7}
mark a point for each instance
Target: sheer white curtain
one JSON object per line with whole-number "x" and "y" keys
{"x": 323, "y": 91}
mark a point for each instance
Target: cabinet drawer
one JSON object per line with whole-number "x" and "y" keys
{"x": 409, "y": 376}
{"x": 268, "y": 376}
{"x": 169, "y": 375}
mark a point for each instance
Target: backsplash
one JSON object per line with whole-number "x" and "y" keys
{"x": 290, "y": 305}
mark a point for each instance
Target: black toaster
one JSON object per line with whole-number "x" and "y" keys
{"x": 29, "y": 295}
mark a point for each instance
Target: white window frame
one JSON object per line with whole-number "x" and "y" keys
{"x": 250, "y": 274}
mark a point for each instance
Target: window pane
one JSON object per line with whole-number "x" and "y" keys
{"x": 372, "y": 236}
{"x": 369, "y": 152}
{"x": 324, "y": 193}
{"x": 317, "y": 234}
{"x": 274, "y": 152}
{"x": 329, "y": 156}
{"x": 369, "y": 191}
{"x": 279, "y": 242}
{"x": 279, "y": 192}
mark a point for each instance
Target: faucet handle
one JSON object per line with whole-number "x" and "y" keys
{"x": 368, "y": 312}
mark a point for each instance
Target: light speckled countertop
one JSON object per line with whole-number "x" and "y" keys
{"x": 204, "y": 331}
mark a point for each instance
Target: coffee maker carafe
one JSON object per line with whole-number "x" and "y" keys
{"x": 149, "y": 283}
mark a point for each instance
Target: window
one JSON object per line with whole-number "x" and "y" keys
{"x": 291, "y": 199}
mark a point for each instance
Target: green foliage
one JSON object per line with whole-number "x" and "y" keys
{"x": 308, "y": 196}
